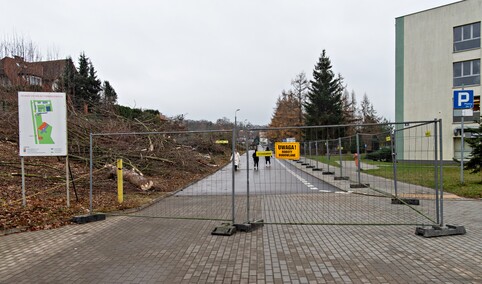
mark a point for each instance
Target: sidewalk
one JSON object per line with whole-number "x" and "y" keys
{"x": 154, "y": 250}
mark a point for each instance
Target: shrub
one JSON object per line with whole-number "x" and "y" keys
{"x": 382, "y": 154}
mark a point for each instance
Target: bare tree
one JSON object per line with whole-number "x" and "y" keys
{"x": 52, "y": 53}
{"x": 300, "y": 87}
{"x": 16, "y": 45}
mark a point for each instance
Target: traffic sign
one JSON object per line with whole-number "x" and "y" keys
{"x": 463, "y": 99}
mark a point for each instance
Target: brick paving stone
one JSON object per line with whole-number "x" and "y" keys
{"x": 149, "y": 250}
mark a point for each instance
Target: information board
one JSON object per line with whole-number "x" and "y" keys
{"x": 42, "y": 121}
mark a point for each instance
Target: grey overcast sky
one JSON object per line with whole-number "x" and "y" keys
{"x": 206, "y": 58}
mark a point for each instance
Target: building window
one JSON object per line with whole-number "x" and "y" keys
{"x": 467, "y": 73}
{"x": 33, "y": 80}
{"x": 467, "y": 37}
{"x": 4, "y": 81}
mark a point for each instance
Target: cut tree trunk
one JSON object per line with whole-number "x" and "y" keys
{"x": 132, "y": 177}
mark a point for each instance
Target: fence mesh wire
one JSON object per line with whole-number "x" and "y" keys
{"x": 174, "y": 161}
{"x": 326, "y": 185}
{"x": 351, "y": 174}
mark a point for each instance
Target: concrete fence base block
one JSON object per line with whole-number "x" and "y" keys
{"x": 248, "y": 227}
{"x": 405, "y": 201}
{"x": 310, "y": 167}
{"x": 341, "y": 178}
{"x": 359, "y": 185}
{"x": 88, "y": 218}
{"x": 328, "y": 173}
{"x": 438, "y": 231}
{"x": 317, "y": 169}
{"x": 224, "y": 230}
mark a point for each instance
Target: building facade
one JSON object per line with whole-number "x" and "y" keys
{"x": 16, "y": 72}
{"x": 438, "y": 51}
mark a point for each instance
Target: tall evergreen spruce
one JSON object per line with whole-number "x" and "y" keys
{"x": 94, "y": 87}
{"x": 324, "y": 99}
{"x": 109, "y": 96}
{"x": 87, "y": 87}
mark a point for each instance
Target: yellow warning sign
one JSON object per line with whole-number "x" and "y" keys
{"x": 287, "y": 150}
{"x": 222, "y": 141}
{"x": 264, "y": 153}
{"x": 388, "y": 138}
{"x": 427, "y": 133}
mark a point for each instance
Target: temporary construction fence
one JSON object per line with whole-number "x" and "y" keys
{"x": 344, "y": 174}
{"x": 171, "y": 159}
{"x": 350, "y": 174}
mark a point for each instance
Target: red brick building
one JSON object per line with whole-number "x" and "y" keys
{"x": 16, "y": 72}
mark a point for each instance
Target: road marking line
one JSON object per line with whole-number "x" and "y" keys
{"x": 304, "y": 181}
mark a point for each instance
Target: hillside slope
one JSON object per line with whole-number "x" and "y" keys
{"x": 164, "y": 153}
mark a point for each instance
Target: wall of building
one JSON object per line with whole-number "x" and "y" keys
{"x": 425, "y": 53}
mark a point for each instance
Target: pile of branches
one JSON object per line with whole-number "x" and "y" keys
{"x": 163, "y": 146}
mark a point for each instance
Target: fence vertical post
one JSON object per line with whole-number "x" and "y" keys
{"x": 232, "y": 173}
{"x": 358, "y": 155}
{"x": 441, "y": 184}
{"x": 316, "y": 150}
{"x": 328, "y": 154}
{"x": 436, "y": 165}
{"x": 247, "y": 178}
{"x": 394, "y": 161}
{"x": 90, "y": 173}
{"x": 309, "y": 151}
{"x": 341, "y": 161}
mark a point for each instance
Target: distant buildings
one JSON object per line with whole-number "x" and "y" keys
{"x": 439, "y": 51}
{"x": 16, "y": 72}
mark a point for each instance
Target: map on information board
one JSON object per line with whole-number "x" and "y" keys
{"x": 42, "y": 124}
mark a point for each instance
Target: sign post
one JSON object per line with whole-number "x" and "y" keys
{"x": 463, "y": 100}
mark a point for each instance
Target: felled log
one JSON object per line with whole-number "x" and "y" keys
{"x": 132, "y": 177}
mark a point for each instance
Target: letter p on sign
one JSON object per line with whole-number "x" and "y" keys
{"x": 463, "y": 99}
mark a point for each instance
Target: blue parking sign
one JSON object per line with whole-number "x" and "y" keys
{"x": 463, "y": 99}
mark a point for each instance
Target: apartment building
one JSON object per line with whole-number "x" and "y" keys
{"x": 438, "y": 51}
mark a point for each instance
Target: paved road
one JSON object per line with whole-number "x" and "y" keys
{"x": 282, "y": 177}
{"x": 154, "y": 250}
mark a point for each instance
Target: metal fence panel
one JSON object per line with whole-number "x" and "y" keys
{"x": 346, "y": 174}
{"x": 162, "y": 154}
{"x": 325, "y": 186}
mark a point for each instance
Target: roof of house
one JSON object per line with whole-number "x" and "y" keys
{"x": 15, "y": 68}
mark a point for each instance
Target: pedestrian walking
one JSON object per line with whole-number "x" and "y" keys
{"x": 255, "y": 159}
{"x": 237, "y": 160}
{"x": 267, "y": 159}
